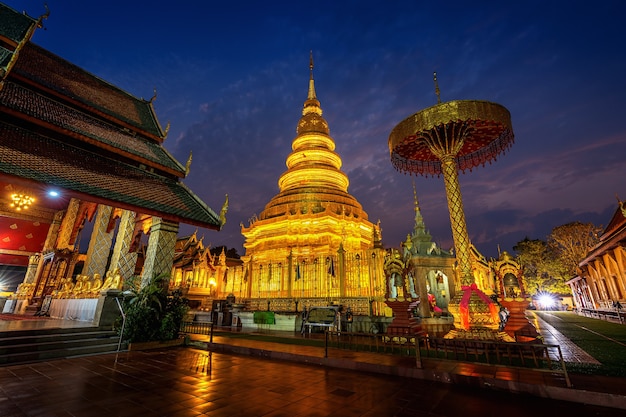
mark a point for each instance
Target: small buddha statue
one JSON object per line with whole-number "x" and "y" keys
{"x": 108, "y": 280}
{"x": 78, "y": 287}
{"x": 86, "y": 289}
{"x": 96, "y": 285}
{"x": 117, "y": 280}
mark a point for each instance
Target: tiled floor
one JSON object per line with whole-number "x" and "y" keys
{"x": 188, "y": 382}
{"x": 191, "y": 382}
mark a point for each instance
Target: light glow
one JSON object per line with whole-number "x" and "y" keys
{"x": 21, "y": 201}
{"x": 546, "y": 301}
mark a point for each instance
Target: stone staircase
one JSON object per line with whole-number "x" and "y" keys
{"x": 25, "y": 346}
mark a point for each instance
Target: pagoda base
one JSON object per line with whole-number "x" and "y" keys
{"x": 437, "y": 326}
{"x": 403, "y": 320}
{"x": 479, "y": 333}
{"x": 481, "y": 321}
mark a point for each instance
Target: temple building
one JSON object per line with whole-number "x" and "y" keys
{"x": 204, "y": 275}
{"x": 313, "y": 242}
{"x": 75, "y": 149}
{"x": 601, "y": 282}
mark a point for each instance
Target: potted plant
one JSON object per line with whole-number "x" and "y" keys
{"x": 152, "y": 314}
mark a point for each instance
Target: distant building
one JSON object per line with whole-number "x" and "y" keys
{"x": 602, "y": 279}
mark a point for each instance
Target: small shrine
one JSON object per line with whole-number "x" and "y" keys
{"x": 512, "y": 296}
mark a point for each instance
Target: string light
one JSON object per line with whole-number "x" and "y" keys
{"x": 21, "y": 201}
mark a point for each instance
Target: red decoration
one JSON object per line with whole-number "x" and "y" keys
{"x": 464, "y": 304}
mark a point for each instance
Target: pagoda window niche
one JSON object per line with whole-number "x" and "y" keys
{"x": 511, "y": 285}
{"x": 437, "y": 289}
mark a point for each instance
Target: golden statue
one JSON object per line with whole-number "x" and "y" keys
{"x": 96, "y": 285}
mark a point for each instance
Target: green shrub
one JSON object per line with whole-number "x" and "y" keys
{"x": 152, "y": 314}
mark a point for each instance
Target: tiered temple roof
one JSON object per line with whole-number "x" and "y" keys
{"x": 62, "y": 127}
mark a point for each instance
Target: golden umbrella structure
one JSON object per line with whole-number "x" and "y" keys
{"x": 443, "y": 139}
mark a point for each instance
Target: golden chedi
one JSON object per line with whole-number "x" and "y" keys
{"x": 311, "y": 224}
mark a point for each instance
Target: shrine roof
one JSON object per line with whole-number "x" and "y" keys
{"x": 41, "y": 109}
{"x": 613, "y": 235}
{"x": 95, "y": 176}
{"x": 15, "y": 26}
{"x": 68, "y": 80}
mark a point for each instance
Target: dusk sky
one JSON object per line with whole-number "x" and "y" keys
{"x": 231, "y": 79}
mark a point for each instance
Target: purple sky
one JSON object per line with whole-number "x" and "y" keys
{"x": 232, "y": 78}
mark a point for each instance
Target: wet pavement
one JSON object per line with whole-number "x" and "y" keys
{"x": 245, "y": 377}
{"x": 190, "y": 382}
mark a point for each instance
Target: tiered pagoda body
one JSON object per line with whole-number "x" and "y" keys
{"x": 313, "y": 242}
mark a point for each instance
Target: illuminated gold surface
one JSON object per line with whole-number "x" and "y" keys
{"x": 313, "y": 240}
{"x": 488, "y": 133}
{"x": 442, "y": 139}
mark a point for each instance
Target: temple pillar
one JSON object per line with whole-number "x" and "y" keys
{"x": 341, "y": 258}
{"x": 290, "y": 275}
{"x": 419, "y": 276}
{"x": 63, "y": 221}
{"x": 64, "y": 237}
{"x": 123, "y": 259}
{"x": 99, "y": 244}
{"x": 160, "y": 252}
{"x": 31, "y": 271}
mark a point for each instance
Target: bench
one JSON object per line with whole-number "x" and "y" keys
{"x": 320, "y": 317}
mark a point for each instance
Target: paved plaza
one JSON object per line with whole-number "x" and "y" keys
{"x": 190, "y": 382}
{"x": 243, "y": 377}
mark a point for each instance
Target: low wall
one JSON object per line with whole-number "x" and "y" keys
{"x": 282, "y": 321}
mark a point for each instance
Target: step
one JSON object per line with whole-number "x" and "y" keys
{"x": 19, "y": 347}
{"x": 66, "y": 343}
{"x": 44, "y": 338}
{"x": 34, "y": 356}
{"x": 50, "y": 330}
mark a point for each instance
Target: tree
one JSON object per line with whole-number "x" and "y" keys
{"x": 571, "y": 242}
{"x": 543, "y": 270}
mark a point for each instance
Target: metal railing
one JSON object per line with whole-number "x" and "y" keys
{"x": 609, "y": 315}
{"x": 197, "y": 327}
{"x": 535, "y": 356}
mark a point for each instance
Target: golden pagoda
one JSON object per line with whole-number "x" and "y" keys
{"x": 313, "y": 242}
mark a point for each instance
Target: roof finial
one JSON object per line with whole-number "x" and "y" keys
{"x": 415, "y": 198}
{"x": 436, "y": 87}
{"x": 311, "y": 82}
{"x": 188, "y": 164}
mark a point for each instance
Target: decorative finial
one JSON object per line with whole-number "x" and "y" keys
{"x": 43, "y": 16}
{"x": 188, "y": 164}
{"x": 622, "y": 206}
{"x": 311, "y": 95}
{"x": 154, "y": 96}
{"x": 167, "y": 128}
{"x": 415, "y": 198}
{"x": 223, "y": 212}
{"x": 437, "y": 92}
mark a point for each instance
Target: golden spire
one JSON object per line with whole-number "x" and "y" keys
{"x": 311, "y": 82}
{"x": 417, "y": 208}
{"x": 437, "y": 92}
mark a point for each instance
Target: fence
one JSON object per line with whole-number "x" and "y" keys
{"x": 197, "y": 327}
{"x": 535, "y": 356}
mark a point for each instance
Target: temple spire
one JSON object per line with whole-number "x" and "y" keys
{"x": 311, "y": 82}
{"x": 419, "y": 220}
{"x": 437, "y": 92}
